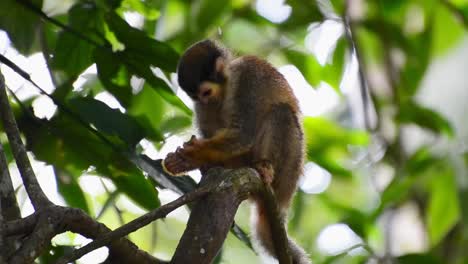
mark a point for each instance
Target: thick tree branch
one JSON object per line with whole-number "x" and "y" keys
{"x": 44, "y": 224}
{"x": 20, "y": 226}
{"x": 8, "y": 200}
{"x": 35, "y": 193}
{"x": 213, "y": 215}
{"x": 2, "y": 237}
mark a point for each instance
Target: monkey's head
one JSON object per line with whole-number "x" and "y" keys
{"x": 201, "y": 71}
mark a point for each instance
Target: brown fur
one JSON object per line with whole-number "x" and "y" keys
{"x": 255, "y": 123}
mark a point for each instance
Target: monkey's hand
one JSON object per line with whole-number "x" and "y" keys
{"x": 182, "y": 160}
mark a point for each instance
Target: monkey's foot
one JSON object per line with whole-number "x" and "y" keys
{"x": 176, "y": 165}
{"x": 266, "y": 171}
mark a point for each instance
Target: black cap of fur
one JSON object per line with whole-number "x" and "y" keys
{"x": 197, "y": 65}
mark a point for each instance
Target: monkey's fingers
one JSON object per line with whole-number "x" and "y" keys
{"x": 176, "y": 165}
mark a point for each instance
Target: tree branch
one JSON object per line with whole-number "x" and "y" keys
{"x": 9, "y": 209}
{"x": 35, "y": 193}
{"x": 138, "y": 223}
{"x": 363, "y": 81}
{"x": 213, "y": 215}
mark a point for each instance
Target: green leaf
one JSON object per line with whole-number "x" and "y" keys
{"x": 66, "y": 144}
{"x": 327, "y": 144}
{"x": 142, "y": 49}
{"x": 54, "y": 252}
{"x": 443, "y": 209}
{"x": 175, "y": 124}
{"x": 137, "y": 187}
{"x": 108, "y": 120}
{"x": 208, "y": 13}
{"x": 70, "y": 190}
{"x": 420, "y": 161}
{"x": 411, "y": 112}
{"x": 417, "y": 48}
{"x": 315, "y": 73}
{"x": 73, "y": 54}
{"x": 20, "y": 24}
{"x": 448, "y": 31}
{"x": 148, "y": 108}
{"x": 418, "y": 259}
{"x": 303, "y": 13}
{"x": 114, "y": 75}
{"x": 307, "y": 64}
{"x": 333, "y": 72}
{"x": 395, "y": 192}
{"x": 146, "y": 8}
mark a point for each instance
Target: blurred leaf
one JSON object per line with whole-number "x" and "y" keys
{"x": 20, "y": 24}
{"x": 333, "y": 72}
{"x": 443, "y": 210}
{"x": 148, "y": 108}
{"x": 175, "y": 124}
{"x": 249, "y": 38}
{"x": 308, "y": 65}
{"x": 136, "y": 186}
{"x": 72, "y": 54}
{"x": 394, "y": 193}
{"x": 140, "y": 48}
{"x": 420, "y": 161}
{"x": 66, "y": 144}
{"x": 207, "y": 13}
{"x": 114, "y": 75}
{"x": 54, "y": 252}
{"x": 146, "y": 8}
{"x": 327, "y": 144}
{"x": 418, "y": 52}
{"x": 70, "y": 190}
{"x": 303, "y": 13}
{"x": 315, "y": 73}
{"x": 108, "y": 120}
{"x": 418, "y": 259}
{"x": 448, "y": 31}
{"x": 411, "y": 112}
{"x": 7, "y": 150}
{"x": 141, "y": 54}
{"x": 357, "y": 220}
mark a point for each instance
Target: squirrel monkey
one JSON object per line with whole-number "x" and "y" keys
{"x": 248, "y": 117}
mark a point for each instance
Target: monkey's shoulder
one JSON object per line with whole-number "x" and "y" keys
{"x": 269, "y": 85}
{"x": 254, "y": 66}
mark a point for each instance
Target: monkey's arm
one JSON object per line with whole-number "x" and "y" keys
{"x": 226, "y": 145}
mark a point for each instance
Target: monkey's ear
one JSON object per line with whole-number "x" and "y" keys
{"x": 220, "y": 64}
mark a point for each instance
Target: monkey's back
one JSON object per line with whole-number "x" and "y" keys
{"x": 278, "y": 128}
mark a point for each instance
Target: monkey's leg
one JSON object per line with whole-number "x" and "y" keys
{"x": 278, "y": 143}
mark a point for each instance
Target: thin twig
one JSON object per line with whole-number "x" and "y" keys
{"x": 363, "y": 83}
{"x": 35, "y": 193}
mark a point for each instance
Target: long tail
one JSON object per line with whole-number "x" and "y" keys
{"x": 262, "y": 238}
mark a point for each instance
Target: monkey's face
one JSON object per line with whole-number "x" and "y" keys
{"x": 209, "y": 92}
{"x": 201, "y": 72}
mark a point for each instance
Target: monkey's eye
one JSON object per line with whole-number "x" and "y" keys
{"x": 206, "y": 93}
